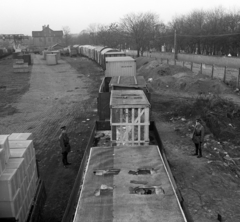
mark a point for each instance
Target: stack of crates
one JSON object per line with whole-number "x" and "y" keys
{"x": 20, "y": 67}
{"x": 129, "y": 117}
{"x": 18, "y": 177}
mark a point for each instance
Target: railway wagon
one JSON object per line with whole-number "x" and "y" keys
{"x": 111, "y": 54}
{"x": 72, "y": 51}
{"x": 102, "y": 55}
{"x": 133, "y": 183}
{"x": 120, "y": 66}
{"x": 97, "y": 53}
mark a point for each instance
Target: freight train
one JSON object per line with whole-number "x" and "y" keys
{"x": 124, "y": 174}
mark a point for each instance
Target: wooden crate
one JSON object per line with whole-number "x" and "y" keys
{"x": 4, "y": 152}
{"x": 21, "y": 153}
{"x": 129, "y": 83}
{"x": 129, "y": 117}
{"x": 18, "y": 164}
{"x": 20, "y": 144}
{"x": 8, "y": 184}
{"x": 20, "y": 136}
{"x": 10, "y": 209}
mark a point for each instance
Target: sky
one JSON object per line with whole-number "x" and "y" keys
{"x": 25, "y": 16}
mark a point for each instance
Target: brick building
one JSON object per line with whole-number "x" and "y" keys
{"x": 47, "y": 37}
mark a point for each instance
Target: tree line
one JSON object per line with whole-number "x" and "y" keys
{"x": 212, "y": 32}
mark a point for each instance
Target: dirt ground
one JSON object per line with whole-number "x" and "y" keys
{"x": 42, "y": 101}
{"x": 65, "y": 94}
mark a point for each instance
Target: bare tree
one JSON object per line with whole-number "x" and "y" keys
{"x": 140, "y": 28}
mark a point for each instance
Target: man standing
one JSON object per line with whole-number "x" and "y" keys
{"x": 64, "y": 144}
{"x": 198, "y": 137}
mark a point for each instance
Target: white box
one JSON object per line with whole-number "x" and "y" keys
{"x": 4, "y": 144}
{"x": 8, "y": 184}
{"x": 120, "y": 66}
{"x": 18, "y": 164}
{"x": 20, "y": 144}
{"x": 29, "y": 197}
{"x": 10, "y": 208}
{"x": 25, "y": 186}
{"x": 2, "y": 160}
{"x": 52, "y": 59}
{"x": 20, "y": 136}
{"x": 21, "y": 153}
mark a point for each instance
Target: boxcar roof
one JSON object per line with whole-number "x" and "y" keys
{"x": 115, "y": 53}
{"x": 108, "y": 50}
{"x": 118, "y": 194}
{"x": 120, "y": 59}
{"x": 131, "y": 98}
{"x": 128, "y": 81}
{"x": 99, "y": 48}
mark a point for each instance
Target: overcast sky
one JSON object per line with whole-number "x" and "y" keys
{"x": 25, "y": 16}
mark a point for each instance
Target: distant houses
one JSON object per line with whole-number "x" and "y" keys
{"x": 47, "y": 37}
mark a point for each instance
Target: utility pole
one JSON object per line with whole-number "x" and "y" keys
{"x": 175, "y": 44}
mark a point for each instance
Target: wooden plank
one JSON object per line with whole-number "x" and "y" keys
{"x": 130, "y": 124}
{"x": 146, "y": 128}
{"x": 224, "y": 75}
{"x": 212, "y": 71}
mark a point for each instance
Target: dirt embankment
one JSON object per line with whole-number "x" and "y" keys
{"x": 210, "y": 185}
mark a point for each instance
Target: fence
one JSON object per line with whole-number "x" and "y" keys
{"x": 214, "y": 63}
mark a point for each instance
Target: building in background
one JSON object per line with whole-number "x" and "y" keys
{"x": 47, "y": 37}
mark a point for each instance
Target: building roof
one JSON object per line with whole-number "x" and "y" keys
{"x": 46, "y": 31}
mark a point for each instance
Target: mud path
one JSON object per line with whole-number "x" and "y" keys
{"x": 57, "y": 95}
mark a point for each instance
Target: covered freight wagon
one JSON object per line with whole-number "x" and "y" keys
{"x": 120, "y": 66}
{"x": 102, "y": 55}
{"x": 111, "y": 54}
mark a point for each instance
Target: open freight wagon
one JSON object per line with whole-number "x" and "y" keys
{"x": 104, "y": 168}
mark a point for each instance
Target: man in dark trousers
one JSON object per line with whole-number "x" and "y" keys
{"x": 64, "y": 144}
{"x": 198, "y": 138}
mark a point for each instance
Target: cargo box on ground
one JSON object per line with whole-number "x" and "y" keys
{"x": 25, "y": 57}
{"x": 57, "y": 53}
{"x": 52, "y": 59}
{"x": 120, "y": 66}
{"x": 117, "y": 83}
{"x": 45, "y": 53}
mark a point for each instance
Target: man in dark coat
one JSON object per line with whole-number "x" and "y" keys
{"x": 198, "y": 138}
{"x": 64, "y": 144}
